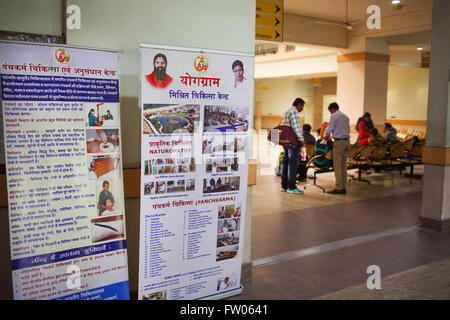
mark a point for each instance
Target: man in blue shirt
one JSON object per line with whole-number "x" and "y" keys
{"x": 339, "y": 129}
{"x": 108, "y": 115}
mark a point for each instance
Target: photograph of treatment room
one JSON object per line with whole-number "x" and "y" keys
{"x": 174, "y": 186}
{"x": 104, "y": 167}
{"x": 221, "y": 165}
{"x": 227, "y": 253}
{"x": 225, "y": 119}
{"x": 167, "y": 119}
{"x": 221, "y": 184}
{"x": 222, "y": 144}
{"x": 227, "y": 239}
{"x": 169, "y": 166}
{"x": 171, "y": 186}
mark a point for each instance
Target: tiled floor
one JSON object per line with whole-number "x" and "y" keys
{"x": 320, "y": 245}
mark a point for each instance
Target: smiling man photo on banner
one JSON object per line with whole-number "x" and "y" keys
{"x": 239, "y": 83}
{"x": 159, "y": 78}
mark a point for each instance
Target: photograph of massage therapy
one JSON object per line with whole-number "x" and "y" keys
{"x": 102, "y": 114}
{"x": 108, "y": 197}
{"x": 228, "y": 225}
{"x": 225, "y": 119}
{"x": 102, "y": 140}
{"x": 167, "y": 119}
{"x": 169, "y": 166}
{"x": 229, "y": 211}
{"x": 220, "y": 144}
{"x": 221, "y": 184}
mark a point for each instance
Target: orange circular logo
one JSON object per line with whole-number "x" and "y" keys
{"x": 62, "y": 55}
{"x": 201, "y": 64}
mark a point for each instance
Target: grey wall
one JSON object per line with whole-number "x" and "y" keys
{"x": 123, "y": 25}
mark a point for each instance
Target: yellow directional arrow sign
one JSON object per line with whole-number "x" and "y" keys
{"x": 269, "y": 7}
{"x": 268, "y": 20}
{"x": 264, "y": 33}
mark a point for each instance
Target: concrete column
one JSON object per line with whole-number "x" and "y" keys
{"x": 362, "y": 81}
{"x": 435, "y": 213}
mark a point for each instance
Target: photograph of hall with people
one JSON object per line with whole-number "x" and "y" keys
{"x": 225, "y": 119}
{"x": 229, "y": 211}
{"x": 222, "y": 165}
{"x": 221, "y": 184}
{"x": 168, "y": 119}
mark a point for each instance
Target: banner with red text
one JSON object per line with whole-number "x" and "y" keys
{"x": 61, "y": 121}
{"x": 196, "y": 109}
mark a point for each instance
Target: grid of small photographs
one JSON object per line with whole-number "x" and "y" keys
{"x": 228, "y": 231}
{"x": 104, "y": 170}
{"x": 169, "y": 186}
{"x": 169, "y": 166}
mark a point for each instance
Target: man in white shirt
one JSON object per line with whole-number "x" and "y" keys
{"x": 239, "y": 83}
{"x": 339, "y": 129}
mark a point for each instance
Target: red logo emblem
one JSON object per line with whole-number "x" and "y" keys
{"x": 62, "y": 55}
{"x": 201, "y": 64}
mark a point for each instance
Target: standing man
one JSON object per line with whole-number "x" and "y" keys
{"x": 291, "y": 158}
{"x": 339, "y": 128}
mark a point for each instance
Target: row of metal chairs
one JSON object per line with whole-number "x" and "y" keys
{"x": 398, "y": 156}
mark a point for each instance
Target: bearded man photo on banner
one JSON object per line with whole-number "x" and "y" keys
{"x": 159, "y": 78}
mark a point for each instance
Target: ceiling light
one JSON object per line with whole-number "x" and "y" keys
{"x": 419, "y": 48}
{"x": 396, "y": 1}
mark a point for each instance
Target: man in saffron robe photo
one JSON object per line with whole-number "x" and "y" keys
{"x": 159, "y": 78}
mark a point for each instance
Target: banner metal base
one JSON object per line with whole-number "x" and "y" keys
{"x": 224, "y": 295}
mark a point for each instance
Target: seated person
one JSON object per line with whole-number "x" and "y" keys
{"x": 365, "y": 124}
{"x": 307, "y": 136}
{"x": 323, "y": 147}
{"x": 93, "y": 120}
{"x": 376, "y": 139}
{"x": 390, "y": 133}
{"x": 309, "y": 140}
{"x": 108, "y": 115}
{"x": 105, "y": 199}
